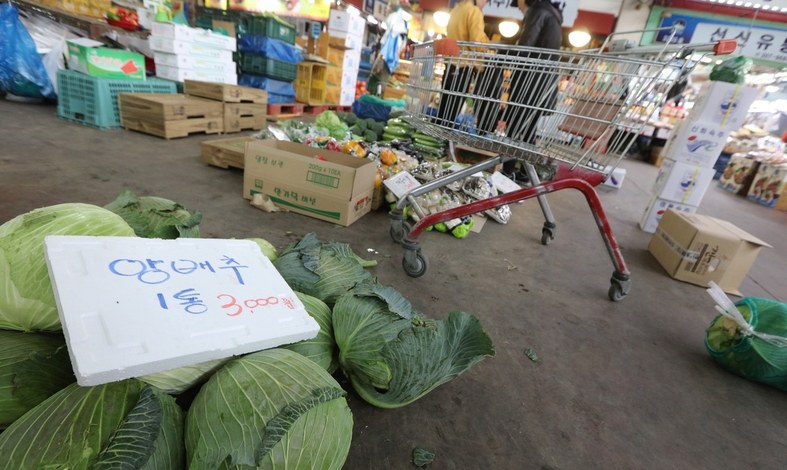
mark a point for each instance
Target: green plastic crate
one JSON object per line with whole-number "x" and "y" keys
{"x": 92, "y": 101}
{"x": 268, "y": 27}
{"x": 271, "y": 68}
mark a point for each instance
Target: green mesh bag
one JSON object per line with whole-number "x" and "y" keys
{"x": 758, "y": 354}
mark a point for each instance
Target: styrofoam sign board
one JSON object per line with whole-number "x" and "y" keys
{"x": 134, "y": 306}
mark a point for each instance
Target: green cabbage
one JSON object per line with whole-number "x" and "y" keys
{"x": 392, "y": 354}
{"x": 119, "y": 425}
{"x": 323, "y": 270}
{"x": 33, "y": 366}
{"x": 156, "y": 217}
{"x": 267, "y": 248}
{"x": 176, "y": 381}
{"x": 273, "y": 409}
{"x": 336, "y": 128}
{"x": 27, "y": 302}
{"x": 322, "y": 348}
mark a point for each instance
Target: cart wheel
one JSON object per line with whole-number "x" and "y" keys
{"x": 414, "y": 264}
{"x": 398, "y": 233}
{"x": 617, "y": 292}
{"x": 547, "y": 235}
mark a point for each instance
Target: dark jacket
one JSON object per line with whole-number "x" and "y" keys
{"x": 542, "y": 26}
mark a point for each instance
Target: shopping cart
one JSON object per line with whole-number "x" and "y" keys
{"x": 567, "y": 118}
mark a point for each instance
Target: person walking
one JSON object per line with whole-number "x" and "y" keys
{"x": 466, "y": 24}
{"x": 533, "y": 89}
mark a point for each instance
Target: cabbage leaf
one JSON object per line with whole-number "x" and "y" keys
{"x": 118, "y": 425}
{"x": 176, "y": 381}
{"x": 273, "y": 409}
{"x": 322, "y": 348}
{"x": 33, "y": 367}
{"x": 27, "y": 301}
{"x": 393, "y": 355}
{"x": 156, "y": 217}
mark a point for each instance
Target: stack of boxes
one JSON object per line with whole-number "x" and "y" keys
{"x": 693, "y": 148}
{"x": 184, "y": 53}
{"x": 345, "y": 41}
{"x": 268, "y": 58}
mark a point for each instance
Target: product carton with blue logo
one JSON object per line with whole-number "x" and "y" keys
{"x": 723, "y": 104}
{"x": 696, "y": 143}
{"x": 683, "y": 183}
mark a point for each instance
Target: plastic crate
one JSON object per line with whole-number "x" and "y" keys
{"x": 312, "y": 75}
{"x": 205, "y": 16}
{"x": 92, "y": 101}
{"x": 271, "y": 68}
{"x": 268, "y": 27}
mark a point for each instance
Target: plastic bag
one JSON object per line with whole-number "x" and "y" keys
{"x": 754, "y": 345}
{"x": 732, "y": 70}
{"x": 22, "y": 71}
{"x": 278, "y": 91}
{"x": 50, "y": 40}
{"x": 269, "y": 47}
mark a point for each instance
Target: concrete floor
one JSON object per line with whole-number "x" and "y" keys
{"x": 624, "y": 385}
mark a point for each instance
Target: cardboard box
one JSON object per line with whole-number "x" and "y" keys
{"x": 326, "y": 185}
{"x": 343, "y": 24}
{"x": 739, "y": 173}
{"x": 89, "y": 57}
{"x": 656, "y": 209}
{"x": 781, "y": 202}
{"x": 696, "y": 143}
{"x": 162, "y": 44}
{"x": 723, "y": 104}
{"x": 768, "y": 184}
{"x": 683, "y": 183}
{"x": 699, "y": 249}
{"x": 204, "y": 37}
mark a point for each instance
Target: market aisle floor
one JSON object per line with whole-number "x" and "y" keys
{"x": 618, "y": 385}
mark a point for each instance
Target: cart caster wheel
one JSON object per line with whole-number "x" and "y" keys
{"x": 617, "y": 291}
{"x": 415, "y": 264}
{"x": 547, "y": 235}
{"x": 398, "y": 233}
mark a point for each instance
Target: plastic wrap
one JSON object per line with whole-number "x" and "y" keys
{"x": 22, "y": 71}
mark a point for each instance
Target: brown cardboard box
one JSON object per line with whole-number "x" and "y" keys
{"x": 699, "y": 249}
{"x": 326, "y": 185}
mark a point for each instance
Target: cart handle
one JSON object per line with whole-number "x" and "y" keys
{"x": 725, "y": 46}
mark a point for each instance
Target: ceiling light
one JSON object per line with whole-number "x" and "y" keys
{"x": 441, "y": 18}
{"x": 508, "y": 28}
{"x": 579, "y": 38}
{"x": 372, "y": 20}
{"x": 353, "y": 11}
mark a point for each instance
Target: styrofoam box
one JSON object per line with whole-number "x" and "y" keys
{"x": 656, "y": 209}
{"x": 615, "y": 179}
{"x": 723, "y": 104}
{"x": 200, "y": 36}
{"x": 347, "y": 97}
{"x": 696, "y": 143}
{"x": 162, "y": 44}
{"x": 683, "y": 183}
{"x": 178, "y": 75}
{"x": 342, "y": 23}
{"x": 183, "y": 61}
{"x": 133, "y": 306}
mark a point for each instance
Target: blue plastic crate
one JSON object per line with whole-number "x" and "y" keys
{"x": 93, "y": 101}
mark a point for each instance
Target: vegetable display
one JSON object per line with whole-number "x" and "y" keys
{"x": 156, "y": 217}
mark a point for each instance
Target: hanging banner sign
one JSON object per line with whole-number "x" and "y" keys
{"x": 506, "y": 9}
{"x": 316, "y": 10}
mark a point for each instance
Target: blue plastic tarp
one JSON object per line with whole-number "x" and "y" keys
{"x": 22, "y": 71}
{"x": 270, "y": 85}
{"x": 270, "y": 48}
{"x": 274, "y": 98}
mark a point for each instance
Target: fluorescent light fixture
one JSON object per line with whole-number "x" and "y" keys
{"x": 508, "y": 28}
{"x": 371, "y": 20}
{"x": 578, "y": 38}
{"x": 353, "y": 11}
{"x": 747, "y": 4}
{"x": 441, "y": 18}
{"x": 738, "y": 3}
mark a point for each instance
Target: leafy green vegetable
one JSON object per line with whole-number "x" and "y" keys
{"x": 324, "y": 270}
{"x": 27, "y": 302}
{"x": 322, "y": 348}
{"x": 336, "y": 128}
{"x": 422, "y": 457}
{"x": 392, "y": 354}
{"x": 33, "y": 366}
{"x": 273, "y": 409}
{"x": 156, "y": 217}
{"x": 175, "y": 381}
{"x": 119, "y": 425}
{"x": 267, "y": 248}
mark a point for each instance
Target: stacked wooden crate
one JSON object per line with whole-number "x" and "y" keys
{"x": 170, "y": 115}
{"x": 244, "y": 108}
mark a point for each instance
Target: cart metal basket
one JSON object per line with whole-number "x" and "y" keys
{"x": 566, "y": 118}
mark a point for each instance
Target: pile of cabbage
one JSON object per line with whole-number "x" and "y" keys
{"x": 279, "y": 408}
